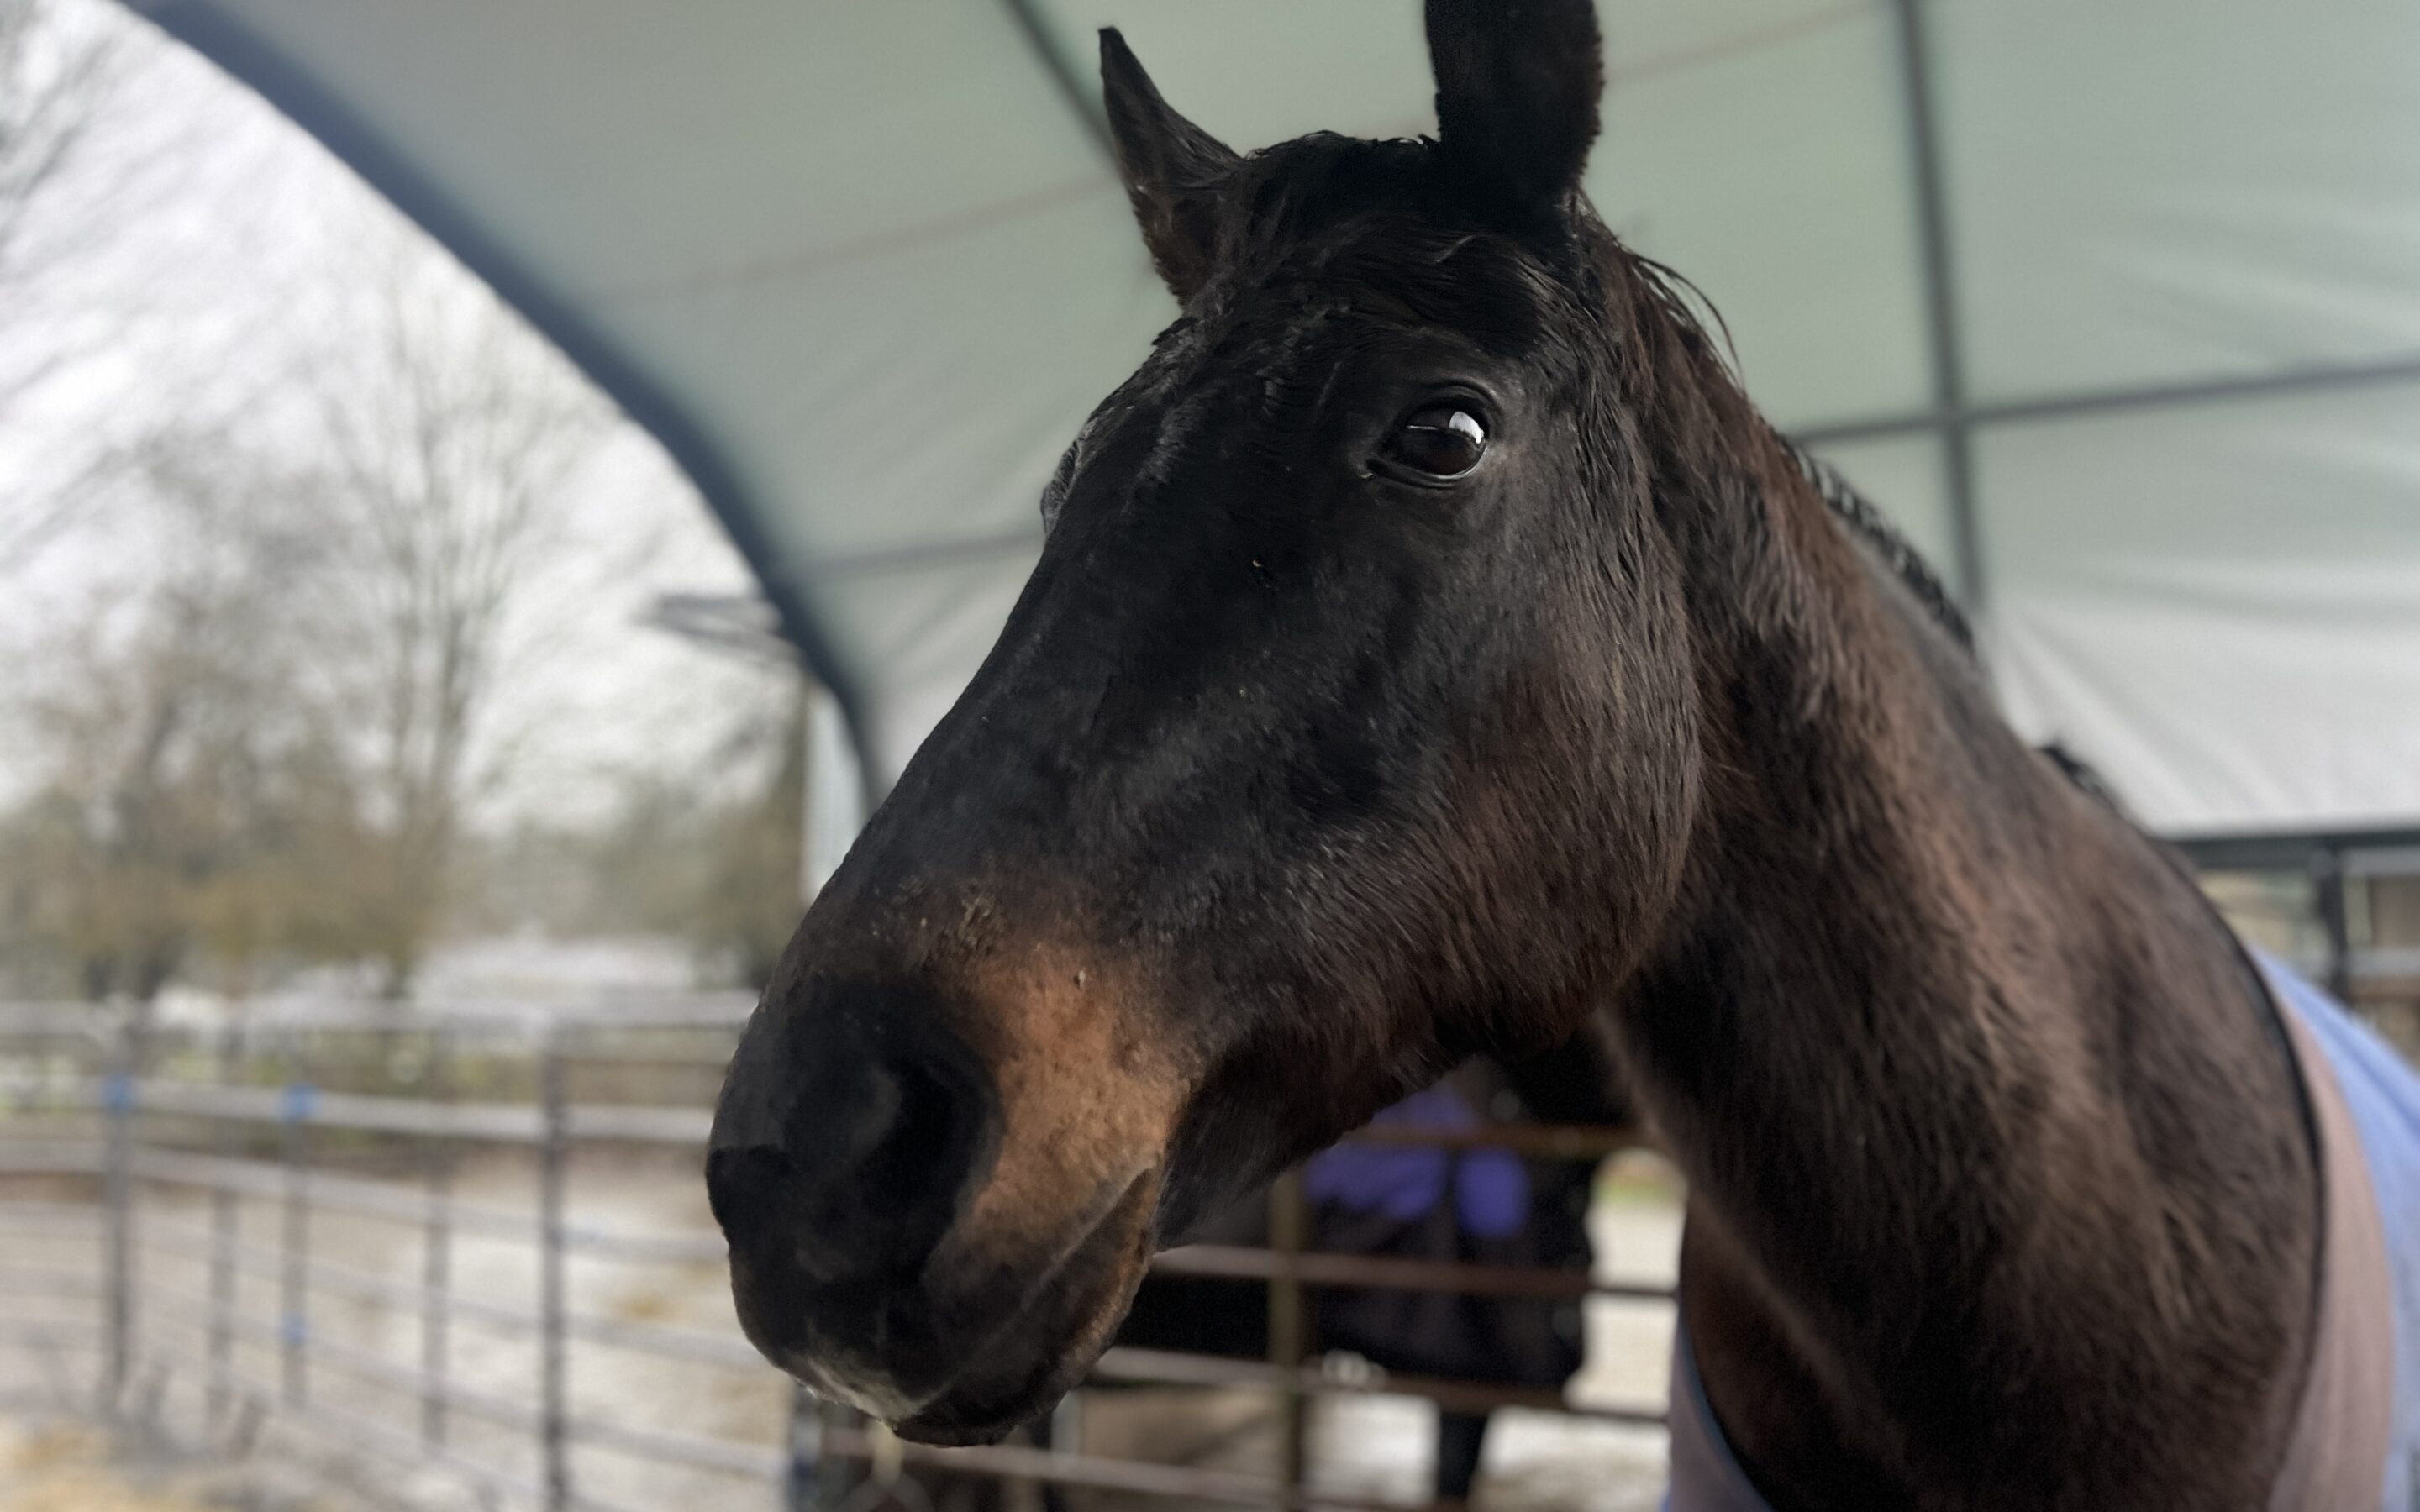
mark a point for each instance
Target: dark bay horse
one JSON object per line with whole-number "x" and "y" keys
{"x": 1481, "y": 1207}
{"x": 1434, "y": 653}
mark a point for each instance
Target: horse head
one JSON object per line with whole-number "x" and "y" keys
{"x": 1346, "y": 727}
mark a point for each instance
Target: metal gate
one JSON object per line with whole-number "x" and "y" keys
{"x": 346, "y": 1237}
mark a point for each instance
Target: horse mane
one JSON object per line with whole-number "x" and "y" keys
{"x": 1875, "y": 529}
{"x": 1678, "y": 299}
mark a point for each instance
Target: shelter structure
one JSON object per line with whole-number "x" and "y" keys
{"x": 2114, "y": 307}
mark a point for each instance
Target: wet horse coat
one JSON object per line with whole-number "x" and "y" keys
{"x": 2357, "y": 1437}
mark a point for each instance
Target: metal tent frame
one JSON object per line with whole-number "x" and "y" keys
{"x": 1954, "y": 420}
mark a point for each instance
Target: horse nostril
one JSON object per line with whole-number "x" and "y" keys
{"x": 749, "y": 1191}
{"x": 858, "y": 1161}
{"x": 887, "y": 1165}
{"x": 923, "y": 1130}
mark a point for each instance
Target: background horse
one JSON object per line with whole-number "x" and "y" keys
{"x": 1481, "y": 1206}
{"x": 1432, "y": 651}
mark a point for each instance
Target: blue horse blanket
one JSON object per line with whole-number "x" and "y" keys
{"x": 1490, "y": 1186}
{"x": 2381, "y": 1096}
{"x": 2367, "y": 1103}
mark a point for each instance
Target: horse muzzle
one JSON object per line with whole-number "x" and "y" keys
{"x": 939, "y": 1203}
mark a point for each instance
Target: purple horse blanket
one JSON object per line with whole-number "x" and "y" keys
{"x": 2357, "y": 1441}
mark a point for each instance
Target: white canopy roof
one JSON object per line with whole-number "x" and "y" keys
{"x": 2117, "y": 307}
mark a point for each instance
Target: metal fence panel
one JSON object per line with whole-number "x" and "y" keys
{"x": 276, "y": 1144}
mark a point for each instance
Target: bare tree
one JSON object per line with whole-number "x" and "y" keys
{"x": 66, "y": 187}
{"x": 454, "y": 440}
{"x": 269, "y": 735}
{"x": 356, "y": 573}
{"x": 56, "y": 81}
{"x": 197, "y": 799}
{"x": 751, "y": 903}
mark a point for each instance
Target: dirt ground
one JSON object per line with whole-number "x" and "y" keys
{"x": 1372, "y": 1447}
{"x": 72, "y": 1467}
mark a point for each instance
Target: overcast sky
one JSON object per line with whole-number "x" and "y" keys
{"x": 238, "y": 255}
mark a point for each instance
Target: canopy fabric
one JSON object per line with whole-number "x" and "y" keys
{"x": 2115, "y": 308}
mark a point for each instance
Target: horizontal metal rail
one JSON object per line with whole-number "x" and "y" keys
{"x": 334, "y": 1276}
{"x": 757, "y": 1461}
{"x": 646, "y": 1249}
{"x": 638, "y": 1123}
{"x": 2087, "y": 403}
{"x": 49, "y": 1329}
{"x": 661, "y": 1339}
{"x": 50, "y": 1157}
{"x": 344, "y": 1194}
{"x": 1381, "y": 1273}
{"x": 1313, "y": 1268}
{"x": 496, "y": 1016}
{"x": 50, "y": 1219}
{"x": 1016, "y": 1462}
{"x": 1537, "y": 1141}
{"x": 1174, "y": 1368}
{"x": 492, "y": 1122}
{"x": 20, "y": 1280}
{"x": 409, "y": 1205}
{"x": 630, "y": 1123}
{"x": 709, "y": 1058}
{"x": 1056, "y": 1467}
{"x": 1121, "y": 1366}
{"x": 487, "y": 1122}
{"x": 47, "y": 1096}
{"x": 1126, "y": 1366}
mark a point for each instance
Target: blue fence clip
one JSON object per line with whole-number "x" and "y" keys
{"x": 117, "y": 1092}
{"x": 301, "y": 1099}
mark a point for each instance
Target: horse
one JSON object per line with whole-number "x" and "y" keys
{"x": 1481, "y": 1206}
{"x": 1434, "y": 652}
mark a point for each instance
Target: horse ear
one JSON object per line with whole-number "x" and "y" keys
{"x": 1518, "y": 88}
{"x": 1174, "y": 170}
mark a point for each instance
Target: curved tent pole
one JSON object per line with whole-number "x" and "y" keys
{"x": 1050, "y": 50}
{"x": 1929, "y": 190}
{"x": 244, "y": 56}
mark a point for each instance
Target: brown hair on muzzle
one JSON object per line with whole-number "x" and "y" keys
{"x": 929, "y": 1183}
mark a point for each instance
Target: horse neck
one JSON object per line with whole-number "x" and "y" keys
{"x": 1945, "y": 1050}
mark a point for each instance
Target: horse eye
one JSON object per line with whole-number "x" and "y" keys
{"x": 1441, "y": 442}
